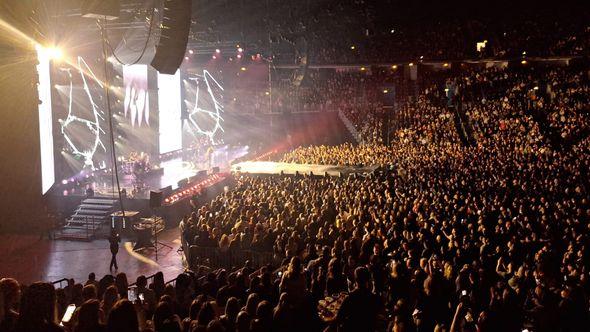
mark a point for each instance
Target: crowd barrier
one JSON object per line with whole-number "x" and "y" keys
{"x": 216, "y": 258}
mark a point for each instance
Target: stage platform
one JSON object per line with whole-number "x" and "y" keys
{"x": 270, "y": 167}
{"x": 167, "y": 172}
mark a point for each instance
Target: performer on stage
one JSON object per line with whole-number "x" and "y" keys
{"x": 114, "y": 240}
{"x": 209, "y": 156}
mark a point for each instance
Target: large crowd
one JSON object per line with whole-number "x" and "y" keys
{"x": 491, "y": 237}
{"x": 476, "y": 218}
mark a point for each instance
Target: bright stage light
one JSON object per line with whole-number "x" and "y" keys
{"x": 240, "y": 50}
{"x": 52, "y": 53}
{"x": 239, "y": 56}
{"x": 217, "y": 50}
{"x": 191, "y": 51}
{"x": 243, "y": 69}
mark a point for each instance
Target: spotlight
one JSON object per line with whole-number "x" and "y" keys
{"x": 191, "y": 52}
{"x": 214, "y": 57}
{"x": 411, "y": 64}
{"x": 385, "y": 91}
{"x": 53, "y": 53}
{"x": 445, "y": 64}
{"x": 239, "y": 56}
{"x": 243, "y": 69}
{"x": 524, "y": 62}
{"x": 186, "y": 58}
{"x": 352, "y": 47}
{"x": 240, "y": 50}
{"x": 394, "y": 67}
{"x": 363, "y": 68}
{"x": 217, "y": 50}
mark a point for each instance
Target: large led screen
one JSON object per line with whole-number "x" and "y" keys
{"x": 169, "y": 108}
{"x": 45, "y": 118}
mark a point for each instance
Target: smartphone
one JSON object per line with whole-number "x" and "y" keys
{"x": 141, "y": 298}
{"x": 68, "y": 314}
{"x": 132, "y": 294}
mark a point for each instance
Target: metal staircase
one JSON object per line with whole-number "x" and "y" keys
{"x": 87, "y": 219}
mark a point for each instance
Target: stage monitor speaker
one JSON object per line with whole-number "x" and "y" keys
{"x": 166, "y": 191}
{"x": 99, "y": 9}
{"x": 156, "y": 198}
{"x": 176, "y": 23}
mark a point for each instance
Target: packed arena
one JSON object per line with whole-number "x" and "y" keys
{"x": 262, "y": 166}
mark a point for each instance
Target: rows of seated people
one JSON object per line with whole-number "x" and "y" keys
{"x": 385, "y": 31}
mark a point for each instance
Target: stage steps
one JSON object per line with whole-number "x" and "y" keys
{"x": 87, "y": 219}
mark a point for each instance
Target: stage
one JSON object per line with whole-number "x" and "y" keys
{"x": 168, "y": 171}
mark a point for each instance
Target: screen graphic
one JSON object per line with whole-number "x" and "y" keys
{"x": 169, "y": 108}
{"x": 137, "y": 106}
{"x": 205, "y": 115}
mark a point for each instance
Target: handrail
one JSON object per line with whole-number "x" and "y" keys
{"x": 59, "y": 281}
{"x": 147, "y": 278}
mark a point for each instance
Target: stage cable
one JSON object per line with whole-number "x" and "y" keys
{"x": 106, "y": 39}
{"x": 107, "y": 86}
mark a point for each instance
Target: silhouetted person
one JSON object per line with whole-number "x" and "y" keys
{"x": 114, "y": 240}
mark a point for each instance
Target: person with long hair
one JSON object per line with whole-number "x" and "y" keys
{"x": 165, "y": 320}
{"x": 38, "y": 309}
{"x": 293, "y": 282}
{"x": 110, "y": 297}
{"x": 122, "y": 284}
{"x": 123, "y": 317}
{"x": 89, "y": 317}
{"x": 10, "y": 295}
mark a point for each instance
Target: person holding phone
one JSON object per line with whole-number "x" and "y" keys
{"x": 114, "y": 240}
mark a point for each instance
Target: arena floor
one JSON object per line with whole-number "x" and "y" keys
{"x": 29, "y": 259}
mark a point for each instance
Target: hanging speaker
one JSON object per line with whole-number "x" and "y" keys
{"x": 176, "y": 23}
{"x": 99, "y": 9}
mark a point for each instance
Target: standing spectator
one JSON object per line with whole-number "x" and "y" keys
{"x": 90, "y": 317}
{"x": 360, "y": 309}
{"x": 123, "y": 317}
{"x": 37, "y": 310}
{"x": 10, "y": 293}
